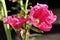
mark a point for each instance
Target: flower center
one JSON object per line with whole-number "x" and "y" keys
{"x": 36, "y": 20}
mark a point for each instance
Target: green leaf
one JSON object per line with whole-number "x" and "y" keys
{"x": 35, "y": 35}
{"x": 21, "y": 13}
{"x": 28, "y": 25}
{"x": 14, "y": 8}
{"x": 28, "y": 10}
{"x": 36, "y": 30}
{"x": 30, "y": 3}
{"x": 32, "y": 38}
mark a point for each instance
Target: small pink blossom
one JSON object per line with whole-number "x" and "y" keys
{"x": 28, "y": 33}
{"x": 15, "y": 21}
{"x": 41, "y": 17}
{"x": 12, "y": 0}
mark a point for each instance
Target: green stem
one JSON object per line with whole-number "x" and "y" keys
{"x": 4, "y": 7}
{"x": 26, "y": 5}
{"x": 2, "y": 12}
{"x": 25, "y": 37}
{"x": 21, "y": 4}
{"x": 6, "y": 26}
{"x": 8, "y": 32}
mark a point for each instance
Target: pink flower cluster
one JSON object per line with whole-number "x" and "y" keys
{"x": 39, "y": 16}
{"x": 15, "y": 21}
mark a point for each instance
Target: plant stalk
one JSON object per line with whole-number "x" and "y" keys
{"x": 6, "y": 26}
{"x": 26, "y": 5}
{"x": 21, "y": 4}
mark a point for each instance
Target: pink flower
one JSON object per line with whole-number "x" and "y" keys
{"x": 41, "y": 17}
{"x": 28, "y": 33}
{"x": 15, "y": 21}
{"x": 12, "y": 0}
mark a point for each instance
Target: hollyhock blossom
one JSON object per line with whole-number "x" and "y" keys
{"x": 15, "y": 21}
{"x": 41, "y": 17}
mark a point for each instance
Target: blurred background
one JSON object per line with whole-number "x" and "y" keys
{"x": 54, "y": 5}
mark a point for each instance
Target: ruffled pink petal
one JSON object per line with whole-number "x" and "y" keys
{"x": 15, "y": 21}
{"x": 44, "y": 26}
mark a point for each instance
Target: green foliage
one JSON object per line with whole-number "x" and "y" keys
{"x": 36, "y": 30}
{"x": 0, "y": 5}
{"x": 21, "y": 13}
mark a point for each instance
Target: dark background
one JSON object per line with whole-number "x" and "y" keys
{"x": 53, "y": 5}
